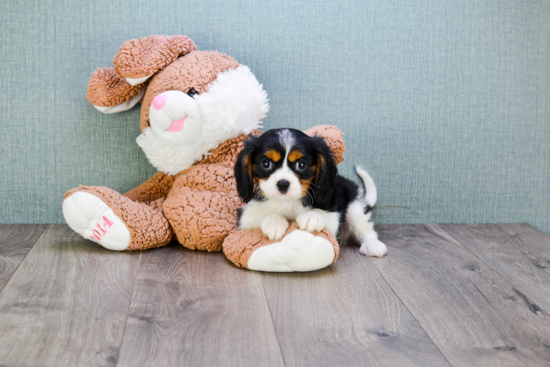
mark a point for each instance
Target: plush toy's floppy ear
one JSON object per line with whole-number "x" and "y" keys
{"x": 109, "y": 93}
{"x": 138, "y": 59}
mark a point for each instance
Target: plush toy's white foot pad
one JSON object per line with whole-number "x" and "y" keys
{"x": 91, "y": 218}
{"x": 297, "y": 251}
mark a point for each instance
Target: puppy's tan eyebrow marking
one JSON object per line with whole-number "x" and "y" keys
{"x": 274, "y": 155}
{"x": 295, "y": 155}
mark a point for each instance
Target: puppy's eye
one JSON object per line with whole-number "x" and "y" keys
{"x": 301, "y": 165}
{"x": 192, "y": 93}
{"x": 267, "y": 164}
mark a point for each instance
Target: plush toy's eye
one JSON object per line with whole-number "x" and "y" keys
{"x": 301, "y": 165}
{"x": 267, "y": 164}
{"x": 192, "y": 93}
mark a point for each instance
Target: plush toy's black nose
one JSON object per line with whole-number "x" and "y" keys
{"x": 283, "y": 186}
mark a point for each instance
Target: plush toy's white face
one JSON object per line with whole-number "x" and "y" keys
{"x": 184, "y": 127}
{"x": 175, "y": 118}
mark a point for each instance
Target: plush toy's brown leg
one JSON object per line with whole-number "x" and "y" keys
{"x": 297, "y": 251}
{"x": 201, "y": 219}
{"x": 147, "y": 225}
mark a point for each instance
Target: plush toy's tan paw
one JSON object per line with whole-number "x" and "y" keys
{"x": 90, "y": 217}
{"x": 296, "y": 251}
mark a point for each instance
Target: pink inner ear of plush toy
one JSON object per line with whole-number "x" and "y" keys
{"x": 144, "y": 57}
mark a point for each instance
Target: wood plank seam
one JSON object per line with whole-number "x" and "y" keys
{"x": 336, "y": 316}
{"x": 67, "y": 304}
{"x": 18, "y": 265}
{"x": 129, "y": 306}
{"x": 490, "y": 324}
{"x": 532, "y": 306}
{"x": 207, "y": 308}
{"x": 273, "y": 323}
{"x": 412, "y": 314}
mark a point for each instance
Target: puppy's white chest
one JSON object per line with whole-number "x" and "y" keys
{"x": 254, "y": 211}
{"x": 290, "y": 209}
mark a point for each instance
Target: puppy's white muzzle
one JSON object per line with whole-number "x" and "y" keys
{"x": 271, "y": 186}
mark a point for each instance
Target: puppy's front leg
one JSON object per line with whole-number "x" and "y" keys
{"x": 274, "y": 226}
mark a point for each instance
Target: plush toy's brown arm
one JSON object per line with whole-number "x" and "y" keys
{"x": 333, "y": 137}
{"x": 156, "y": 187}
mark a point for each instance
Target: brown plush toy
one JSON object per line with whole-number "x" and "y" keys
{"x": 197, "y": 109}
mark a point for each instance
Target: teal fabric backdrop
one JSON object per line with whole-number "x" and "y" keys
{"x": 446, "y": 103}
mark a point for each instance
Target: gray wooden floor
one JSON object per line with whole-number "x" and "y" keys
{"x": 461, "y": 295}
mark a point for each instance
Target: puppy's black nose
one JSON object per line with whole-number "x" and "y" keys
{"x": 283, "y": 186}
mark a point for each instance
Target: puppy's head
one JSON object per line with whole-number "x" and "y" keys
{"x": 286, "y": 164}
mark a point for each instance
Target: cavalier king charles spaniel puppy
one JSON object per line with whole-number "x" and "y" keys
{"x": 286, "y": 175}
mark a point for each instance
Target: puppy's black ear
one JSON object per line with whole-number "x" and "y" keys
{"x": 243, "y": 171}
{"x": 325, "y": 178}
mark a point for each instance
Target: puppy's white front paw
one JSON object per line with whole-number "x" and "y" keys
{"x": 373, "y": 247}
{"x": 274, "y": 226}
{"x": 311, "y": 221}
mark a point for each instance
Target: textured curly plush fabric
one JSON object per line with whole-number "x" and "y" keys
{"x": 239, "y": 245}
{"x": 203, "y": 202}
{"x": 107, "y": 89}
{"x": 145, "y": 56}
{"x": 147, "y": 224}
{"x": 156, "y": 187}
{"x": 195, "y": 70}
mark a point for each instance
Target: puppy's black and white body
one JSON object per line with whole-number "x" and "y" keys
{"x": 286, "y": 175}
